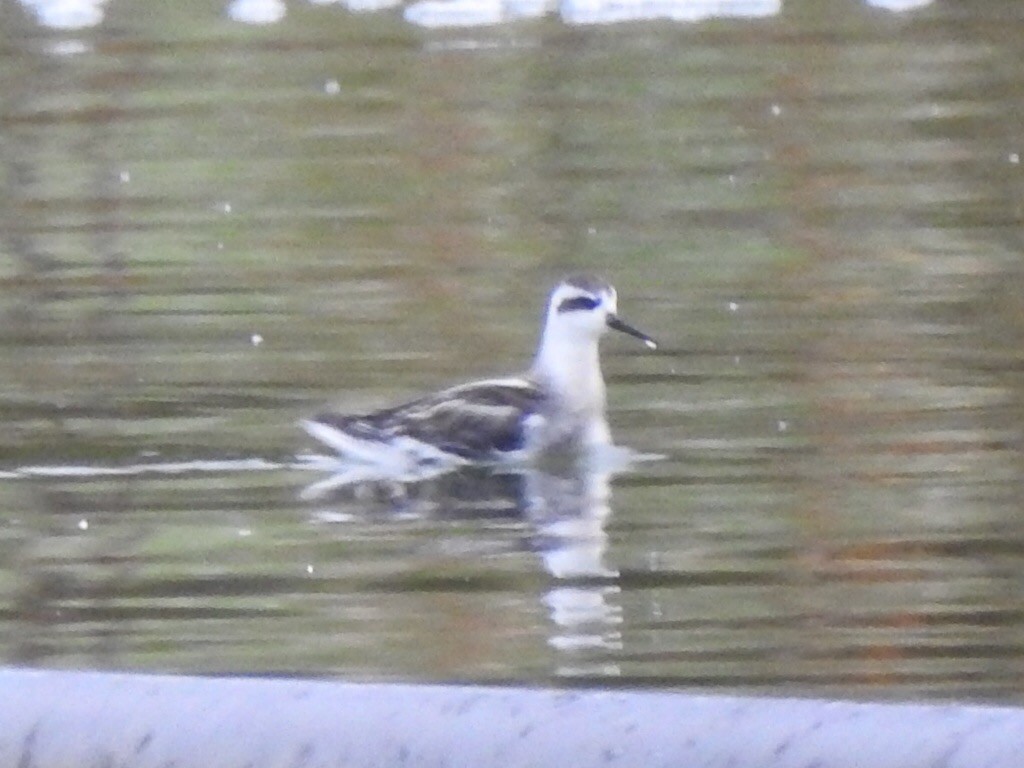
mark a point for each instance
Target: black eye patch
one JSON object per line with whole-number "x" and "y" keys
{"x": 577, "y": 303}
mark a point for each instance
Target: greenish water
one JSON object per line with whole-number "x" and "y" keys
{"x": 211, "y": 229}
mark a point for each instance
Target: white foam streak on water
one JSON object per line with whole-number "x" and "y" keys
{"x": 341, "y": 472}
{"x": 132, "y": 470}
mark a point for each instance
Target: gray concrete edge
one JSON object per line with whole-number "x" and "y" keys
{"x": 56, "y": 719}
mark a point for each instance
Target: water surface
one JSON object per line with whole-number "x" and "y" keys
{"x": 212, "y": 228}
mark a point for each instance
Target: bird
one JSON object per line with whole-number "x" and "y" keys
{"x": 558, "y": 403}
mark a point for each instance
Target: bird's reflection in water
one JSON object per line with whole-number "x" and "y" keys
{"x": 564, "y": 509}
{"x": 568, "y": 514}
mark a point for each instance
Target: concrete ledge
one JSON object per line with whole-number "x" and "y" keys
{"x": 51, "y": 719}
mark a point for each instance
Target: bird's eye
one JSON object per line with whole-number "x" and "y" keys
{"x": 577, "y": 303}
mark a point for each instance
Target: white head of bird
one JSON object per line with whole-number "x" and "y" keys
{"x": 580, "y": 310}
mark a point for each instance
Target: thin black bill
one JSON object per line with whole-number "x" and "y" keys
{"x": 616, "y": 324}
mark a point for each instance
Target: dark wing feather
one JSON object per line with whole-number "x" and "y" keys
{"x": 474, "y": 421}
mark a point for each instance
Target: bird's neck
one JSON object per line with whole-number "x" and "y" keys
{"x": 571, "y": 368}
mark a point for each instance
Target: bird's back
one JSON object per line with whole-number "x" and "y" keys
{"x": 478, "y": 421}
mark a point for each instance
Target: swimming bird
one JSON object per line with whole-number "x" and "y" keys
{"x": 558, "y": 403}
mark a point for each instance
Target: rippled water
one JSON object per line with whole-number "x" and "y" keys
{"x": 212, "y": 228}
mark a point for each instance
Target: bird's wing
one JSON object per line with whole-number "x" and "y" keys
{"x": 474, "y": 421}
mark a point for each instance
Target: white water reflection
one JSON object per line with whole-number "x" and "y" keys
{"x": 66, "y": 14}
{"x": 690, "y": 11}
{"x": 472, "y": 13}
{"x": 257, "y": 11}
{"x": 456, "y": 13}
{"x": 468, "y": 13}
{"x": 899, "y": 6}
{"x": 82, "y": 14}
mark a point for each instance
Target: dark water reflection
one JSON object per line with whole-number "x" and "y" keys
{"x": 211, "y": 229}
